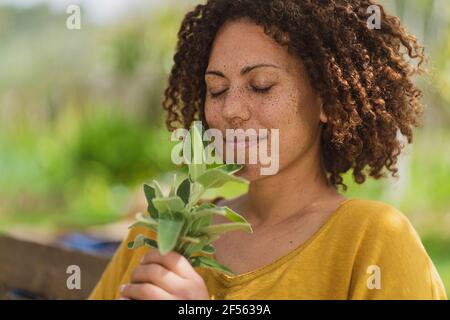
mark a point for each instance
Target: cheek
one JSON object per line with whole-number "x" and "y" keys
{"x": 293, "y": 118}
{"x": 212, "y": 115}
{"x": 280, "y": 112}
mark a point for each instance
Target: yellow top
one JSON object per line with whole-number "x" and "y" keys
{"x": 365, "y": 250}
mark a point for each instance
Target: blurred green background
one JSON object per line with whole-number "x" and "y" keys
{"x": 81, "y": 122}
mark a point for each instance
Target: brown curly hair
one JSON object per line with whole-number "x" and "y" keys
{"x": 363, "y": 75}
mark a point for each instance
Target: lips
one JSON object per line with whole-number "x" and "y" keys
{"x": 244, "y": 140}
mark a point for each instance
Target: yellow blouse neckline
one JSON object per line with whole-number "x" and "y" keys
{"x": 229, "y": 280}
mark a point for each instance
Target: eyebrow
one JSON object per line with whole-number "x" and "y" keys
{"x": 244, "y": 70}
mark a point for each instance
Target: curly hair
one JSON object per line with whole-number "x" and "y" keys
{"x": 364, "y": 75}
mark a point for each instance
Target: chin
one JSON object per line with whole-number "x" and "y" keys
{"x": 251, "y": 172}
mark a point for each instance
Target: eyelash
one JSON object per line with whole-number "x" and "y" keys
{"x": 257, "y": 90}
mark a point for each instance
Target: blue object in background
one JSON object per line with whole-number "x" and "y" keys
{"x": 89, "y": 244}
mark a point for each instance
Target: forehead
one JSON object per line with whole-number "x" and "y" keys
{"x": 242, "y": 43}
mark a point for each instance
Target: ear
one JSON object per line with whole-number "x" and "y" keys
{"x": 323, "y": 117}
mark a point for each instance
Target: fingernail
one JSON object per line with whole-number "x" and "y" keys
{"x": 122, "y": 287}
{"x": 122, "y": 298}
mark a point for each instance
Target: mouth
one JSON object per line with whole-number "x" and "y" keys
{"x": 244, "y": 141}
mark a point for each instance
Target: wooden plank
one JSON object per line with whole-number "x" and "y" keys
{"x": 42, "y": 269}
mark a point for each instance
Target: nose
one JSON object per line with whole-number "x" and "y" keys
{"x": 236, "y": 106}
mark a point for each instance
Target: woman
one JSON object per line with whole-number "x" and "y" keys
{"x": 341, "y": 95}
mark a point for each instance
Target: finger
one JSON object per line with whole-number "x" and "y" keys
{"x": 145, "y": 291}
{"x": 172, "y": 261}
{"x": 159, "y": 276}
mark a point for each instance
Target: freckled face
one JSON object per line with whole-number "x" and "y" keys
{"x": 254, "y": 83}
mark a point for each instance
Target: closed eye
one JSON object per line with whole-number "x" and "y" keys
{"x": 217, "y": 94}
{"x": 255, "y": 89}
{"x": 261, "y": 90}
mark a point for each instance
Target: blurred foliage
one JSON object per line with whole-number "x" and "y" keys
{"x": 81, "y": 123}
{"x": 80, "y": 114}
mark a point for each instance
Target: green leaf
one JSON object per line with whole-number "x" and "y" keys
{"x": 233, "y": 216}
{"x": 195, "y": 170}
{"x": 149, "y": 195}
{"x": 205, "y": 240}
{"x": 200, "y": 223}
{"x": 190, "y": 239}
{"x": 144, "y": 221}
{"x": 206, "y": 262}
{"x": 196, "y": 192}
{"x": 173, "y": 186}
{"x": 206, "y": 206}
{"x": 197, "y": 165}
{"x": 222, "y": 211}
{"x": 215, "y": 178}
{"x": 208, "y": 249}
{"x": 231, "y": 168}
{"x": 158, "y": 190}
{"x": 184, "y": 190}
{"x": 169, "y": 229}
{"x": 142, "y": 240}
{"x": 200, "y": 213}
{"x": 226, "y": 227}
{"x": 170, "y": 204}
{"x": 197, "y": 247}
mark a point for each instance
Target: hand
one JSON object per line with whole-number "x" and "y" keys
{"x": 165, "y": 277}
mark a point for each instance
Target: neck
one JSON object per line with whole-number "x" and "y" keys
{"x": 297, "y": 189}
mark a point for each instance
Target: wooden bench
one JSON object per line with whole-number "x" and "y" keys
{"x": 40, "y": 271}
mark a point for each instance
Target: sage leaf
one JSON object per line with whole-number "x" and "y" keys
{"x": 142, "y": 240}
{"x": 197, "y": 165}
{"x": 184, "y": 190}
{"x": 215, "y": 178}
{"x": 200, "y": 223}
{"x": 222, "y": 211}
{"x": 205, "y": 240}
{"x": 149, "y": 195}
{"x": 208, "y": 249}
{"x": 169, "y": 204}
{"x": 230, "y": 168}
{"x": 226, "y": 227}
{"x": 169, "y": 229}
{"x": 201, "y": 261}
{"x": 158, "y": 189}
{"x": 144, "y": 221}
{"x": 173, "y": 186}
